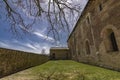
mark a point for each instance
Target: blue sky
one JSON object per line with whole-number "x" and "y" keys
{"x": 36, "y": 39}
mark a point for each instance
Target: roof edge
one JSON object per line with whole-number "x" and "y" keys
{"x": 78, "y": 20}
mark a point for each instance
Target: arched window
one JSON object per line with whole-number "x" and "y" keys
{"x": 113, "y": 42}
{"x": 110, "y": 41}
{"x": 87, "y": 47}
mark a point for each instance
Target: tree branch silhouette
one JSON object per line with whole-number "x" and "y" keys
{"x": 55, "y": 11}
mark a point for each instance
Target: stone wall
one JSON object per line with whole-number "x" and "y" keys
{"x": 12, "y": 61}
{"x": 96, "y": 36}
{"x": 59, "y": 53}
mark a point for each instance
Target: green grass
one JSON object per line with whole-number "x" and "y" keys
{"x": 71, "y": 70}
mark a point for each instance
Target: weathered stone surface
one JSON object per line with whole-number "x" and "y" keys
{"x": 12, "y": 61}
{"x": 96, "y": 36}
{"x": 59, "y": 53}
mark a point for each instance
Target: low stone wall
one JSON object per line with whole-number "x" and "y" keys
{"x": 12, "y": 61}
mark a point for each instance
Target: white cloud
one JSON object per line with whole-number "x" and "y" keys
{"x": 44, "y": 36}
{"x": 18, "y": 46}
{"x": 29, "y": 45}
{"x": 33, "y": 47}
{"x": 2, "y": 44}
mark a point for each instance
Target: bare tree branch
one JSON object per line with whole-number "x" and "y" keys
{"x": 54, "y": 11}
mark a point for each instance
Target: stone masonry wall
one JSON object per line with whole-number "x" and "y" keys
{"x": 90, "y": 40}
{"x": 12, "y": 61}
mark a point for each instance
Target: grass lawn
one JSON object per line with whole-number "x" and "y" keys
{"x": 65, "y": 70}
{"x": 71, "y": 70}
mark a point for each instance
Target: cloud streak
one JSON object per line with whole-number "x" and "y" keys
{"x": 34, "y": 42}
{"x": 27, "y": 46}
{"x": 50, "y": 39}
{"x": 19, "y": 46}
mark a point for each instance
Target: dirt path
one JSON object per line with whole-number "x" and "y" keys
{"x": 22, "y": 75}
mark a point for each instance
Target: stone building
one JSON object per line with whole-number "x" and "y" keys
{"x": 59, "y": 53}
{"x": 96, "y": 36}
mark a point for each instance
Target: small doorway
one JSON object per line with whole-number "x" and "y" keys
{"x": 53, "y": 56}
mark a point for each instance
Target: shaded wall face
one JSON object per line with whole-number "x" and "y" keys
{"x": 59, "y": 54}
{"x": 100, "y": 19}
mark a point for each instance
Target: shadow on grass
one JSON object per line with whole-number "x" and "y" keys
{"x": 69, "y": 76}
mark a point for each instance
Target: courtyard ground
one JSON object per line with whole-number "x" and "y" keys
{"x": 64, "y": 70}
